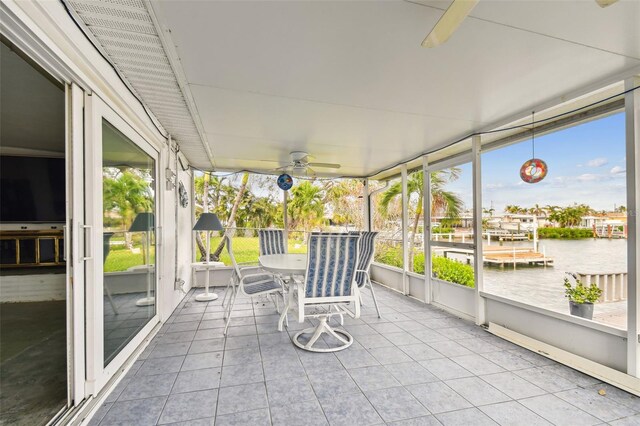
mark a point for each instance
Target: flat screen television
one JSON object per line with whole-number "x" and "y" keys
{"x": 32, "y": 189}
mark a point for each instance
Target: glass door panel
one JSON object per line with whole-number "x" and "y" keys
{"x": 128, "y": 239}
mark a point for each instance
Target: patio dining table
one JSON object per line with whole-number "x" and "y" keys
{"x": 285, "y": 264}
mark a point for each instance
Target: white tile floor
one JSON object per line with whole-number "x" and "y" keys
{"x": 417, "y": 365}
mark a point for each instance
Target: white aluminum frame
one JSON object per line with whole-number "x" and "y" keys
{"x": 74, "y": 246}
{"x": 632, "y": 133}
{"x": 426, "y": 229}
{"x": 405, "y": 230}
{"x": 97, "y": 373}
{"x": 478, "y": 259}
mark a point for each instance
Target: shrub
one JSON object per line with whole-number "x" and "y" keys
{"x": 453, "y": 271}
{"x": 443, "y": 268}
{"x": 389, "y": 255}
{"x": 442, "y": 230}
{"x": 565, "y": 233}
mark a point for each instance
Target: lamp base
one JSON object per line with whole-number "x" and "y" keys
{"x": 206, "y": 297}
{"x": 146, "y": 301}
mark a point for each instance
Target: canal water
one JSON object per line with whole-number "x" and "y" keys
{"x": 543, "y": 286}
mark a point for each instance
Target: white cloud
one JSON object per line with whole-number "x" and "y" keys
{"x": 494, "y": 186}
{"x": 616, "y": 170}
{"x": 597, "y": 162}
{"x": 587, "y": 177}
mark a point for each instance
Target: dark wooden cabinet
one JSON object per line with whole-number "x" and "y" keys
{"x": 31, "y": 248}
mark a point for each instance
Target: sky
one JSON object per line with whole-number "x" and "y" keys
{"x": 586, "y": 165}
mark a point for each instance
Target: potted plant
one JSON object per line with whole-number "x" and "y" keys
{"x": 581, "y": 297}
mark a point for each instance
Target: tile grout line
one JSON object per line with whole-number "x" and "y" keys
{"x": 175, "y": 380}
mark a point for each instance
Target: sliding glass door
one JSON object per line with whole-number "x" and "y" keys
{"x": 123, "y": 207}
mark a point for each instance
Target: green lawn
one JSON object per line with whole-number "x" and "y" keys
{"x": 245, "y": 250}
{"x": 121, "y": 260}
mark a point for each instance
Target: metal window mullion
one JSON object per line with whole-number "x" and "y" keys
{"x": 477, "y": 229}
{"x": 426, "y": 228}
{"x": 285, "y": 217}
{"x": 405, "y": 234}
{"x": 632, "y": 131}
{"x": 366, "y": 205}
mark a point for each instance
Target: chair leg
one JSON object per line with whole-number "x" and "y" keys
{"x": 287, "y": 304}
{"x": 226, "y": 291}
{"x": 323, "y": 327}
{"x": 232, "y": 301}
{"x": 375, "y": 301}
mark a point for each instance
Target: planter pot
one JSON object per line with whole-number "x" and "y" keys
{"x": 584, "y": 310}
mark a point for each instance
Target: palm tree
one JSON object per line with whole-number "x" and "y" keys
{"x": 345, "y": 200}
{"x": 232, "y": 216}
{"x": 488, "y": 211}
{"x": 305, "y": 206}
{"x": 127, "y": 193}
{"x": 570, "y": 216}
{"x": 262, "y": 212}
{"x": 441, "y": 201}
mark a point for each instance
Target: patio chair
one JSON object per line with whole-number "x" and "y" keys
{"x": 271, "y": 241}
{"x": 329, "y": 282}
{"x": 366, "y": 249}
{"x": 242, "y": 281}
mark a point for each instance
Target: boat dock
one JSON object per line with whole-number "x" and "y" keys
{"x": 503, "y": 235}
{"x": 500, "y": 256}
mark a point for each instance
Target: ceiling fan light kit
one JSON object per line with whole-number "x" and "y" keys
{"x": 300, "y": 165}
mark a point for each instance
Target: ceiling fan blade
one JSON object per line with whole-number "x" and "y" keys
{"x": 605, "y": 3}
{"x": 284, "y": 168}
{"x": 325, "y": 165}
{"x": 449, "y": 22}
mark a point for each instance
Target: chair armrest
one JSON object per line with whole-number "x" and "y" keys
{"x": 252, "y": 267}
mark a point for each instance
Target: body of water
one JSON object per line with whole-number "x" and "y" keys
{"x": 543, "y": 286}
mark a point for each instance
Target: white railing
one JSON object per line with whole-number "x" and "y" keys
{"x": 613, "y": 285}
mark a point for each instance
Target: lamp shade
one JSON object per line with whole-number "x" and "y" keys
{"x": 208, "y": 222}
{"x": 144, "y": 222}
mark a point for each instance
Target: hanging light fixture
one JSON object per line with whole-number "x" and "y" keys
{"x": 535, "y": 169}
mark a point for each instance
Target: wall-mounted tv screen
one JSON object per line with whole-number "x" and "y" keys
{"x": 32, "y": 189}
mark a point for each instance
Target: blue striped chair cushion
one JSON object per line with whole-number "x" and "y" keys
{"x": 271, "y": 241}
{"x": 331, "y": 264}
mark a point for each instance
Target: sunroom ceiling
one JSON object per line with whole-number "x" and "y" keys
{"x": 348, "y": 82}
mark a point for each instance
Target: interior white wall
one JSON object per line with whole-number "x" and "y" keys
{"x": 32, "y": 288}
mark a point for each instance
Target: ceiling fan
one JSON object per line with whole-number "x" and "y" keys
{"x": 300, "y": 164}
{"x": 455, "y": 14}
